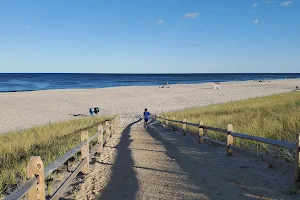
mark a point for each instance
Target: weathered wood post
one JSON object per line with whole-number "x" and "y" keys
{"x": 100, "y": 139}
{"x": 35, "y": 167}
{"x": 200, "y": 140}
{"x": 229, "y": 140}
{"x": 297, "y": 161}
{"x": 173, "y": 118}
{"x": 184, "y": 126}
{"x": 112, "y": 127}
{"x": 85, "y": 151}
{"x": 115, "y": 125}
{"x": 107, "y": 132}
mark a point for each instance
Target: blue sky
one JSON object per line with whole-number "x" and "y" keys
{"x": 155, "y": 36}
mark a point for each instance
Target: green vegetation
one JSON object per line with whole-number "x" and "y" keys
{"x": 49, "y": 142}
{"x": 274, "y": 117}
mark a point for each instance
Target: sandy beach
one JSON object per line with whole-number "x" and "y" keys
{"x": 22, "y": 110}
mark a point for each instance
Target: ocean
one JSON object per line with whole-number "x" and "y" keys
{"x": 16, "y": 82}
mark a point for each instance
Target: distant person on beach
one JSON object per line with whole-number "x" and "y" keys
{"x": 146, "y": 117}
{"x": 217, "y": 85}
{"x": 91, "y": 111}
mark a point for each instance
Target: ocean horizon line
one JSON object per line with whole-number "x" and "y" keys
{"x": 149, "y": 73}
{"x": 22, "y": 82}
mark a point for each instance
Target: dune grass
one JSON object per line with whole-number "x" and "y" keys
{"x": 274, "y": 117}
{"x": 49, "y": 142}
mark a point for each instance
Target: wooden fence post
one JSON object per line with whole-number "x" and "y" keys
{"x": 297, "y": 161}
{"x": 100, "y": 139}
{"x": 184, "y": 126}
{"x": 229, "y": 140}
{"x": 116, "y": 125}
{"x": 85, "y": 151}
{"x": 107, "y": 132}
{"x": 35, "y": 167}
{"x": 173, "y": 118}
{"x": 112, "y": 127}
{"x": 200, "y": 140}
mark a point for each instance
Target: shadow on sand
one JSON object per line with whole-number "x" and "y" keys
{"x": 123, "y": 182}
{"x": 194, "y": 161}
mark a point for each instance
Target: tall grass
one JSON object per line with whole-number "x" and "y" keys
{"x": 274, "y": 117}
{"x": 49, "y": 142}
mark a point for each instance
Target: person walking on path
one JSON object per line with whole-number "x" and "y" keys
{"x": 146, "y": 117}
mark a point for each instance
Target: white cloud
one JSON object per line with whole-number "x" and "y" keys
{"x": 159, "y": 21}
{"x": 190, "y": 15}
{"x": 27, "y": 27}
{"x": 286, "y": 3}
{"x": 256, "y": 21}
{"x": 255, "y": 5}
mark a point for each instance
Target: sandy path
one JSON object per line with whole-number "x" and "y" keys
{"x": 160, "y": 164}
{"x": 26, "y": 109}
{"x": 221, "y": 177}
{"x": 134, "y": 166}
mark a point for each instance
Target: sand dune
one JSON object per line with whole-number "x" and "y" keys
{"x": 26, "y": 109}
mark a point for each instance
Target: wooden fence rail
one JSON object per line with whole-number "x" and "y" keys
{"x": 34, "y": 187}
{"x": 294, "y": 146}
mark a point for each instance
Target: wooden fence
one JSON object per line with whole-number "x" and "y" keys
{"x": 294, "y": 146}
{"x": 34, "y": 187}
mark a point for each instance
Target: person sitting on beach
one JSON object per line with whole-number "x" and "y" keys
{"x": 91, "y": 111}
{"x": 146, "y": 117}
{"x": 217, "y": 85}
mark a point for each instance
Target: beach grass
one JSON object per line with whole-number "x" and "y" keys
{"x": 275, "y": 117}
{"x": 48, "y": 141}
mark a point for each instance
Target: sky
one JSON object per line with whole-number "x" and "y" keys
{"x": 150, "y": 36}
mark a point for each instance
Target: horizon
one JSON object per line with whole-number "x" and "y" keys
{"x": 17, "y": 82}
{"x": 147, "y": 73}
{"x": 133, "y": 37}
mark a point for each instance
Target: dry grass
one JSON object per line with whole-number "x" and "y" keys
{"x": 274, "y": 117}
{"x": 49, "y": 142}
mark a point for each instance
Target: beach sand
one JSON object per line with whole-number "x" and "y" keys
{"x": 22, "y": 110}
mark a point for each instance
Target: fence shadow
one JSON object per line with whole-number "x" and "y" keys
{"x": 209, "y": 167}
{"x": 123, "y": 182}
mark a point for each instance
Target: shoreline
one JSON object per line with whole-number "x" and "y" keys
{"x": 59, "y": 89}
{"x": 21, "y": 110}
